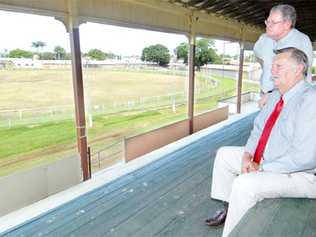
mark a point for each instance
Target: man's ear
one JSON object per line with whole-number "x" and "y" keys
{"x": 299, "y": 70}
{"x": 288, "y": 24}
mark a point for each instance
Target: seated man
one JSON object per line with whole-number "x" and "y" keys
{"x": 280, "y": 155}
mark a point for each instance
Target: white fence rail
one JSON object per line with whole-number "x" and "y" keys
{"x": 35, "y": 116}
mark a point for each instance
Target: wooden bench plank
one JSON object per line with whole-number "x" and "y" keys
{"x": 186, "y": 217}
{"x": 171, "y": 203}
{"x": 290, "y": 219}
{"x": 109, "y": 203}
{"x": 310, "y": 223}
{"x": 129, "y": 208}
{"x": 278, "y": 217}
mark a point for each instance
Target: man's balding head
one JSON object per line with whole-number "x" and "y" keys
{"x": 288, "y": 68}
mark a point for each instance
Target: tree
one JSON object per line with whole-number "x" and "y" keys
{"x": 60, "y": 53}
{"x": 68, "y": 56}
{"x": 110, "y": 55}
{"x": 182, "y": 52}
{"x": 156, "y": 53}
{"x": 226, "y": 58}
{"x": 204, "y": 52}
{"x": 20, "y": 53}
{"x": 47, "y": 56}
{"x": 38, "y": 44}
{"x": 4, "y": 54}
{"x": 96, "y": 54}
{"x": 250, "y": 57}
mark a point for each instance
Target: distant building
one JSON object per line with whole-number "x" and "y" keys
{"x": 20, "y": 63}
{"x": 251, "y": 71}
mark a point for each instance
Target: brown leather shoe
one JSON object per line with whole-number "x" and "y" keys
{"x": 218, "y": 219}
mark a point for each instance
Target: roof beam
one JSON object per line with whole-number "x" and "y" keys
{"x": 156, "y": 15}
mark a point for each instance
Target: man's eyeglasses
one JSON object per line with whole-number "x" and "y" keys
{"x": 272, "y": 23}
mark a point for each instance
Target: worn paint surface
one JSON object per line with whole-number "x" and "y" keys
{"x": 169, "y": 197}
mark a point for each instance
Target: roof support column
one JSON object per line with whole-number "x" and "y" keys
{"x": 191, "y": 61}
{"x": 240, "y": 73}
{"x": 79, "y": 100}
{"x": 73, "y": 29}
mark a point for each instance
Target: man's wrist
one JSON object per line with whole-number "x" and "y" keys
{"x": 247, "y": 155}
{"x": 266, "y": 92}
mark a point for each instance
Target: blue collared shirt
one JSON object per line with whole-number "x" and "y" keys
{"x": 264, "y": 47}
{"x": 291, "y": 146}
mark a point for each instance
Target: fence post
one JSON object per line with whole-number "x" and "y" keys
{"x": 90, "y": 120}
{"x": 99, "y": 161}
{"x": 89, "y": 160}
{"x": 125, "y": 149}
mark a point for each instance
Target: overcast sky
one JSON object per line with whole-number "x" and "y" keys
{"x": 20, "y": 30}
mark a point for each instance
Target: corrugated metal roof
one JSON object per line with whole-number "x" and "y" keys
{"x": 254, "y": 12}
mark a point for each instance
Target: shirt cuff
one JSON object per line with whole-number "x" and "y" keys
{"x": 266, "y": 92}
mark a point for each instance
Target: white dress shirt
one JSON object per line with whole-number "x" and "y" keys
{"x": 291, "y": 146}
{"x": 264, "y": 47}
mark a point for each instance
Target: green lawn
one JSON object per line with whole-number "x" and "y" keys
{"x": 37, "y": 141}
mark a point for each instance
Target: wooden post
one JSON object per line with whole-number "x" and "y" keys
{"x": 79, "y": 100}
{"x": 191, "y": 82}
{"x": 239, "y": 83}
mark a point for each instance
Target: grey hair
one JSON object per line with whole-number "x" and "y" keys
{"x": 288, "y": 13}
{"x": 297, "y": 55}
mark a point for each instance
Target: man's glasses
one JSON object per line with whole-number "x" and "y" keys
{"x": 272, "y": 23}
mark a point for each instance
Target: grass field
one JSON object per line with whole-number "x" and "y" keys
{"x": 43, "y": 88}
{"x": 26, "y": 145}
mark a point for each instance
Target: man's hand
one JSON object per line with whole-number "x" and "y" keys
{"x": 247, "y": 164}
{"x": 263, "y": 100}
{"x": 253, "y": 166}
{"x": 246, "y": 160}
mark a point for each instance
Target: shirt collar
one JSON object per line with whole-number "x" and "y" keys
{"x": 287, "y": 37}
{"x": 296, "y": 89}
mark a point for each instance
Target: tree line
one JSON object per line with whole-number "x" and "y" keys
{"x": 205, "y": 53}
{"x": 59, "y": 53}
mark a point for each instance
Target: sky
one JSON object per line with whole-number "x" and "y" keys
{"x": 20, "y": 30}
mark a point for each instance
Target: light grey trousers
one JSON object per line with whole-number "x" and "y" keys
{"x": 243, "y": 191}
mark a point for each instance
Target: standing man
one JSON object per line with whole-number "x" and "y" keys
{"x": 280, "y": 33}
{"x": 279, "y": 159}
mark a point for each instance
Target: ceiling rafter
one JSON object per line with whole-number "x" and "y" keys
{"x": 254, "y": 12}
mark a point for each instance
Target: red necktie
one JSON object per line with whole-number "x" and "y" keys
{"x": 266, "y": 131}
